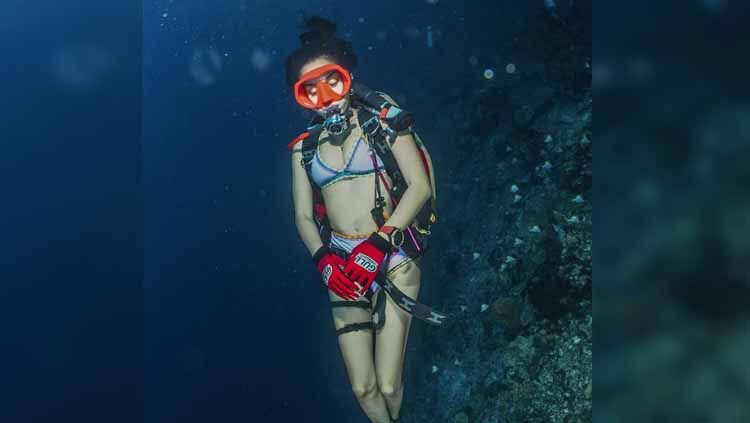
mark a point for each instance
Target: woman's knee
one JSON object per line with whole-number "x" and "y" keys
{"x": 389, "y": 388}
{"x": 365, "y": 388}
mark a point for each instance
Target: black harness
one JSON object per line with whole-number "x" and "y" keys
{"x": 380, "y": 141}
{"x": 371, "y": 106}
{"x": 403, "y": 301}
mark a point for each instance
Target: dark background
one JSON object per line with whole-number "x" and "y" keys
{"x": 136, "y": 206}
{"x": 71, "y": 271}
{"x": 672, "y": 280}
{"x": 237, "y": 322}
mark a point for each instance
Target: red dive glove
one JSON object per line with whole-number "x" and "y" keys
{"x": 329, "y": 265}
{"x": 365, "y": 260}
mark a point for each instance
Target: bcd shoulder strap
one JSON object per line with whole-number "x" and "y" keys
{"x": 380, "y": 139}
{"x": 309, "y": 146}
{"x": 377, "y": 138}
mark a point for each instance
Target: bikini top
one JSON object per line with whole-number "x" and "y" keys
{"x": 358, "y": 164}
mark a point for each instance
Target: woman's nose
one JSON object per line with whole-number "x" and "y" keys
{"x": 326, "y": 95}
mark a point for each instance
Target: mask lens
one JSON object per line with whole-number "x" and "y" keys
{"x": 322, "y": 86}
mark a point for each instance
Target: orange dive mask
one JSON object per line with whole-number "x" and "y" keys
{"x": 322, "y": 84}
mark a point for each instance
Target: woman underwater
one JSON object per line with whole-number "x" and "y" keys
{"x": 342, "y": 167}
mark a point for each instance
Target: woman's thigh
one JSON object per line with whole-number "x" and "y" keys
{"x": 390, "y": 341}
{"x": 356, "y": 346}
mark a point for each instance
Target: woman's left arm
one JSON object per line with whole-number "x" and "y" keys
{"x": 419, "y": 191}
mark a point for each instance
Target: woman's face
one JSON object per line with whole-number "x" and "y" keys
{"x": 331, "y": 78}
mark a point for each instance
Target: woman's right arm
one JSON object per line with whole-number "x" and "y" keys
{"x": 303, "y": 205}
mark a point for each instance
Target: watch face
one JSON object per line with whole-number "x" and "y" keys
{"x": 397, "y": 238}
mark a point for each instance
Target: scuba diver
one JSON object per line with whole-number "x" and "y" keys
{"x": 363, "y": 192}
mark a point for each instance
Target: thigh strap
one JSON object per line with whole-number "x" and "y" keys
{"x": 358, "y": 304}
{"x": 378, "y": 315}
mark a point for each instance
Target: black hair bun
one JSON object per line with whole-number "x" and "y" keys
{"x": 318, "y": 39}
{"x": 317, "y": 30}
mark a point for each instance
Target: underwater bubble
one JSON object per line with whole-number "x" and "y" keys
{"x": 514, "y": 188}
{"x": 484, "y": 307}
{"x": 489, "y": 73}
{"x": 81, "y": 66}
{"x": 205, "y": 65}
{"x": 510, "y": 68}
{"x": 361, "y": 19}
{"x": 164, "y": 15}
{"x": 260, "y": 60}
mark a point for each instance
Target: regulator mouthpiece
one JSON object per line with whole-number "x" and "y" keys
{"x": 336, "y": 123}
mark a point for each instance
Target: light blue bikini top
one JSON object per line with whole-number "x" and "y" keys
{"x": 358, "y": 164}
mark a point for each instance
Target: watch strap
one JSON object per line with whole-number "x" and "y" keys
{"x": 379, "y": 243}
{"x": 388, "y": 229}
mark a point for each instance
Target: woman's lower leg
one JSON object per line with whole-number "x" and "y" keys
{"x": 394, "y": 400}
{"x": 374, "y": 405}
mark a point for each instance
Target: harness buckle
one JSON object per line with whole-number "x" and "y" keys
{"x": 371, "y": 126}
{"x": 423, "y": 231}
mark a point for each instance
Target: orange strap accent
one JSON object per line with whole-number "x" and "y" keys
{"x": 384, "y": 112}
{"x": 298, "y": 139}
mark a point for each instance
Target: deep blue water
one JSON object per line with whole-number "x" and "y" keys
{"x": 237, "y": 325}
{"x": 72, "y": 225}
{"x": 154, "y": 266}
{"x": 150, "y": 269}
